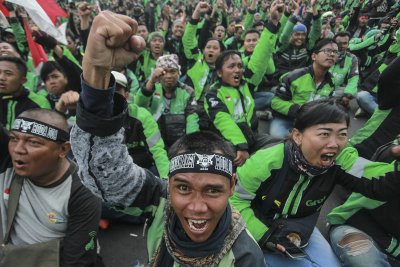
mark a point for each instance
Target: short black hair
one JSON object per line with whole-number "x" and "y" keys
{"x": 21, "y": 65}
{"x": 224, "y": 56}
{"x": 221, "y": 44}
{"x": 319, "y": 112}
{"x": 342, "y": 34}
{"x": 258, "y": 23}
{"x": 203, "y": 141}
{"x": 252, "y": 31}
{"x": 49, "y": 67}
{"x": 321, "y": 44}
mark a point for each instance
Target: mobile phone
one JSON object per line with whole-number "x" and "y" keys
{"x": 292, "y": 250}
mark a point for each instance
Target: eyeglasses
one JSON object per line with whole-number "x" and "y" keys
{"x": 329, "y": 52}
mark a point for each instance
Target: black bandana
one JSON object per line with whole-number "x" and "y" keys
{"x": 201, "y": 162}
{"x": 300, "y": 164}
{"x": 41, "y": 129}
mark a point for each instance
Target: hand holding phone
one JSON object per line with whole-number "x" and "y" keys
{"x": 291, "y": 250}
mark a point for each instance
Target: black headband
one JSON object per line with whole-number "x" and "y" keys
{"x": 41, "y": 129}
{"x": 201, "y": 162}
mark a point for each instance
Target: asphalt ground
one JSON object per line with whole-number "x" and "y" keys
{"x": 123, "y": 244}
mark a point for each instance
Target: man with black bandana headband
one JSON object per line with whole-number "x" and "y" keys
{"x": 53, "y": 204}
{"x": 190, "y": 220}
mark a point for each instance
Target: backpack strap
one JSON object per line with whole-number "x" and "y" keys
{"x": 15, "y": 192}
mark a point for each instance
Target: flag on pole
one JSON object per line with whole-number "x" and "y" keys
{"x": 38, "y": 54}
{"x": 41, "y": 19}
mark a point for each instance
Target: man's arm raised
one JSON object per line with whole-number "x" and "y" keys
{"x": 105, "y": 166}
{"x": 111, "y": 44}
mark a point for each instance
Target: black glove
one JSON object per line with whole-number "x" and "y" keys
{"x": 44, "y": 39}
{"x": 9, "y": 6}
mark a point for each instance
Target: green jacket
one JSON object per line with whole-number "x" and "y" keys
{"x": 297, "y": 88}
{"x": 123, "y": 184}
{"x": 182, "y": 102}
{"x": 300, "y": 195}
{"x": 13, "y": 106}
{"x": 143, "y": 137}
{"x": 345, "y": 73}
{"x": 145, "y": 65}
{"x": 228, "y": 107}
{"x": 198, "y": 69}
{"x": 313, "y": 36}
{"x": 260, "y": 62}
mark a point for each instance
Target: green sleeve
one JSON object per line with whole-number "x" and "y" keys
{"x": 256, "y": 170}
{"x": 284, "y": 38}
{"x": 192, "y": 123}
{"x": 155, "y": 142}
{"x": 315, "y": 32}
{"x": 40, "y": 100}
{"x": 70, "y": 56}
{"x": 351, "y": 162}
{"x": 135, "y": 86}
{"x": 163, "y": 32}
{"x": 352, "y": 86}
{"x": 192, "y": 118}
{"x": 282, "y": 101}
{"x": 284, "y": 19}
{"x": 353, "y": 78}
{"x": 281, "y": 106}
{"x": 354, "y": 46}
{"x": 248, "y": 22}
{"x": 19, "y": 34}
{"x": 32, "y": 81}
{"x": 189, "y": 40}
{"x": 262, "y": 54}
{"x": 223, "y": 121}
{"x": 142, "y": 99}
{"x": 345, "y": 21}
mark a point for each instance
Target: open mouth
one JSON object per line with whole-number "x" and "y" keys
{"x": 236, "y": 78}
{"x": 19, "y": 164}
{"x": 327, "y": 159}
{"x": 197, "y": 225}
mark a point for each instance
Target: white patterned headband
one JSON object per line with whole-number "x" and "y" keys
{"x": 201, "y": 162}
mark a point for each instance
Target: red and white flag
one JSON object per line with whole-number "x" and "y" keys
{"x": 44, "y": 14}
{"x": 38, "y": 54}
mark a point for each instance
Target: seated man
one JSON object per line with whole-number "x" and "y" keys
{"x": 142, "y": 135}
{"x": 53, "y": 204}
{"x": 191, "y": 220}
{"x": 345, "y": 71}
{"x": 14, "y": 97}
{"x": 303, "y": 85}
{"x": 171, "y": 102}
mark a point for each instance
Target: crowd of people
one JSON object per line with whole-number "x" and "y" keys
{"x": 150, "y": 114}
